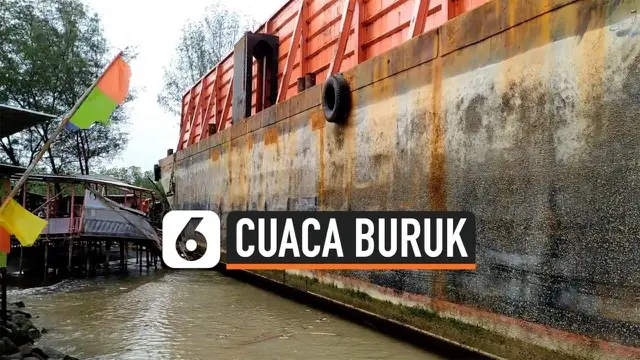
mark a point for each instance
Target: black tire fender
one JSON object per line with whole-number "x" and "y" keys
{"x": 336, "y": 99}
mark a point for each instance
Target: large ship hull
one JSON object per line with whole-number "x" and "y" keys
{"x": 526, "y": 113}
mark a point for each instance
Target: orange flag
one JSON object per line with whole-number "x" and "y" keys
{"x": 5, "y": 240}
{"x": 110, "y": 91}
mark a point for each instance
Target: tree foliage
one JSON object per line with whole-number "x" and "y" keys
{"x": 202, "y": 45}
{"x": 51, "y": 51}
{"x": 132, "y": 175}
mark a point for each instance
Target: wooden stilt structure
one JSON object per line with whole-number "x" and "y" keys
{"x": 107, "y": 255}
{"x": 3, "y": 284}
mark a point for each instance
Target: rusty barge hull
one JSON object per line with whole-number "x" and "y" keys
{"x": 523, "y": 112}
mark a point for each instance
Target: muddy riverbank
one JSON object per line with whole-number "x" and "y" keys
{"x": 18, "y": 338}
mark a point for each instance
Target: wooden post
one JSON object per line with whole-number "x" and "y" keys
{"x": 121, "y": 254}
{"x": 21, "y": 256}
{"x": 46, "y": 259}
{"x": 24, "y": 205}
{"x": 72, "y": 217}
{"x": 46, "y": 240}
{"x": 70, "y": 265}
{"x": 3, "y": 272}
{"x": 88, "y": 249}
{"x": 108, "y": 253}
{"x": 73, "y": 198}
{"x": 139, "y": 254}
{"x": 146, "y": 248}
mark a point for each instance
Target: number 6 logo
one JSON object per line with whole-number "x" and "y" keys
{"x": 174, "y": 224}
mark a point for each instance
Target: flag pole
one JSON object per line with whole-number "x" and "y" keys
{"x": 57, "y": 132}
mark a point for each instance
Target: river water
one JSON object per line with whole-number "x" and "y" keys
{"x": 194, "y": 315}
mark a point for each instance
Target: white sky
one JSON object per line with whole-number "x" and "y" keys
{"x": 154, "y": 26}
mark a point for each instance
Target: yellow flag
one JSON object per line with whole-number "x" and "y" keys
{"x": 21, "y": 223}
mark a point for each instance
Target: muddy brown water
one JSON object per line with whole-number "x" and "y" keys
{"x": 195, "y": 315}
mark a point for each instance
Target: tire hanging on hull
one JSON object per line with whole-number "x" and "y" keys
{"x": 336, "y": 99}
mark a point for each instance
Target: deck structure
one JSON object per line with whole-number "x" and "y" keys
{"x": 86, "y": 216}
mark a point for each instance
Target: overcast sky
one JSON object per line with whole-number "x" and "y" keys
{"x": 154, "y": 26}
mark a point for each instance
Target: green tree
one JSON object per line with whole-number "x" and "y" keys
{"x": 132, "y": 175}
{"x": 51, "y": 51}
{"x": 202, "y": 45}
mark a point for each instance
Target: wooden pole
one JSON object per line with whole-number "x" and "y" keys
{"x": 57, "y": 132}
{"x": 122, "y": 255}
{"x": 46, "y": 241}
{"x": 88, "y": 247}
{"x": 21, "y": 257}
{"x": 24, "y": 205}
{"x": 3, "y": 272}
{"x": 72, "y": 214}
{"x": 73, "y": 197}
{"x": 46, "y": 259}
{"x": 48, "y": 197}
{"x": 108, "y": 254}
{"x": 70, "y": 265}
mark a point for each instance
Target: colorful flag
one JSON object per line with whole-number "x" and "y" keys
{"x": 21, "y": 223}
{"x": 3, "y": 260}
{"x": 110, "y": 91}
